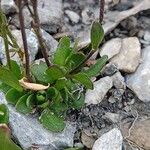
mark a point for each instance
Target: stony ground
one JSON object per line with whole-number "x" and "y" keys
{"x": 117, "y": 111}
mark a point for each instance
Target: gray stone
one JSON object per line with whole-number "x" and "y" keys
{"x": 27, "y": 19}
{"x": 111, "y": 140}
{"x": 139, "y": 82}
{"x": 115, "y": 118}
{"x": 50, "y": 14}
{"x": 8, "y": 6}
{"x": 129, "y": 57}
{"x": 73, "y": 16}
{"x": 118, "y": 81}
{"x": 147, "y": 36}
{"x": 111, "y": 48}
{"x": 28, "y": 131}
{"x": 101, "y": 87}
{"x": 50, "y": 42}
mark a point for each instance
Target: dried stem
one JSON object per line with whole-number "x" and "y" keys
{"x": 24, "y": 38}
{"x": 101, "y": 13}
{"x": 36, "y": 27}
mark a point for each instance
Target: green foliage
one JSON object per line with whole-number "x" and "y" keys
{"x": 5, "y": 139}
{"x": 4, "y": 114}
{"x": 51, "y": 122}
{"x": 9, "y": 78}
{"x": 67, "y": 78}
{"x": 97, "y": 35}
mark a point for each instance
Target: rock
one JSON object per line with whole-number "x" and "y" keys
{"x": 110, "y": 69}
{"x": 115, "y": 118}
{"x": 50, "y": 14}
{"x": 27, "y": 18}
{"x": 87, "y": 141}
{"x": 111, "y": 48}
{"x": 147, "y": 36}
{"x": 28, "y": 132}
{"x": 129, "y": 57}
{"x": 73, "y": 16}
{"x": 139, "y": 82}
{"x": 50, "y": 42}
{"x": 111, "y": 140}
{"x": 8, "y": 6}
{"x": 101, "y": 87}
{"x": 118, "y": 81}
{"x": 139, "y": 134}
{"x": 33, "y": 45}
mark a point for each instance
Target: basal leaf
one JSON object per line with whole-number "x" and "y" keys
{"x": 38, "y": 71}
{"x": 21, "y": 105}
{"x": 52, "y": 122}
{"x": 9, "y": 78}
{"x": 30, "y": 101}
{"x": 97, "y": 34}
{"x": 60, "y": 84}
{"x": 78, "y": 103}
{"x": 95, "y": 69}
{"x": 4, "y": 114}
{"x": 74, "y": 60}
{"x": 4, "y": 87}
{"x": 5, "y": 139}
{"x": 54, "y": 73}
{"x": 12, "y": 96}
{"x": 15, "y": 69}
{"x": 84, "y": 80}
{"x": 62, "y": 51}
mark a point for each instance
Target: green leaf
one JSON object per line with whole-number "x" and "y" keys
{"x": 41, "y": 97}
{"x": 4, "y": 87}
{"x": 38, "y": 71}
{"x": 15, "y": 69}
{"x": 95, "y": 69}
{"x": 62, "y": 51}
{"x": 74, "y": 60}
{"x": 12, "y": 96}
{"x": 10, "y": 79}
{"x": 78, "y": 103}
{"x": 52, "y": 122}
{"x": 30, "y": 101}
{"x": 21, "y": 105}
{"x": 54, "y": 73}
{"x": 83, "y": 79}
{"x": 5, "y": 141}
{"x": 4, "y": 114}
{"x": 60, "y": 84}
{"x": 97, "y": 34}
{"x": 74, "y": 148}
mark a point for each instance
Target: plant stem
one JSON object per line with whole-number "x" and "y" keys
{"x": 24, "y": 38}
{"x": 101, "y": 12}
{"x": 36, "y": 27}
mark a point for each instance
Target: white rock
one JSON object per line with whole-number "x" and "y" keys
{"x": 73, "y": 16}
{"x": 28, "y": 131}
{"x": 111, "y": 140}
{"x": 111, "y": 48}
{"x": 139, "y": 82}
{"x": 129, "y": 57}
{"x": 101, "y": 87}
{"x": 118, "y": 81}
{"x": 8, "y": 6}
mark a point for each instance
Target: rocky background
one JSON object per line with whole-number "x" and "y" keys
{"x": 117, "y": 111}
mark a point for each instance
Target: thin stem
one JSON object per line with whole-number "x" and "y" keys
{"x": 101, "y": 13}
{"x": 24, "y": 38}
{"x": 7, "y": 51}
{"x": 36, "y": 27}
